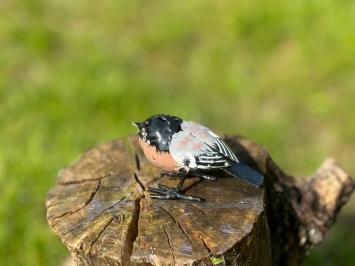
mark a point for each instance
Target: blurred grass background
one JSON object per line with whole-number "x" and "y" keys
{"x": 76, "y": 73}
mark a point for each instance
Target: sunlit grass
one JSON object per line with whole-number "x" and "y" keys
{"x": 74, "y": 74}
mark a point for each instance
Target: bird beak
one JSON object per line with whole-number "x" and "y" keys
{"x": 137, "y": 124}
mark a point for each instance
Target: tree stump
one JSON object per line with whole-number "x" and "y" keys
{"x": 101, "y": 211}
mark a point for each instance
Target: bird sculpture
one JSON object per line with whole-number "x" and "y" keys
{"x": 183, "y": 148}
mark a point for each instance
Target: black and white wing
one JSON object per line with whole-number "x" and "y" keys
{"x": 216, "y": 154}
{"x": 197, "y": 147}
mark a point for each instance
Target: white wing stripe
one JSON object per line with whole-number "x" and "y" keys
{"x": 211, "y": 157}
{"x": 227, "y": 150}
{"x": 222, "y": 147}
{"x": 230, "y": 153}
{"x": 204, "y": 161}
{"x": 233, "y": 155}
{"x": 202, "y": 166}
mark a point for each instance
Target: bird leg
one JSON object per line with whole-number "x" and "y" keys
{"x": 166, "y": 193}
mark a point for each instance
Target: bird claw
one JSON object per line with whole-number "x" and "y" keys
{"x": 168, "y": 193}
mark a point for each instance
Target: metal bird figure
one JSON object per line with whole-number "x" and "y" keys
{"x": 181, "y": 148}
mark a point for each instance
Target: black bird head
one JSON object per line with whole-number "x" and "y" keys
{"x": 158, "y": 130}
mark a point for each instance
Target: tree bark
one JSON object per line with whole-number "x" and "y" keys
{"x": 101, "y": 211}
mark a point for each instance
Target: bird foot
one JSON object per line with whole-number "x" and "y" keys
{"x": 169, "y": 193}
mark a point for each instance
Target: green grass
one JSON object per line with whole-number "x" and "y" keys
{"x": 76, "y": 73}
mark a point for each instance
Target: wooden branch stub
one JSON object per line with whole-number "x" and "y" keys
{"x": 101, "y": 211}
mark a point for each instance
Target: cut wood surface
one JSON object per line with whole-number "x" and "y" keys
{"x": 102, "y": 213}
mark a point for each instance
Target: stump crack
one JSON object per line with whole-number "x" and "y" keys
{"x": 136, "y": 177}
{"x": 84, "y": 205}
{"x": 74, "y": 182}
{"x": 55, "y": 204}
{"x": 169, "y": 243}
{"x": 100, "y": 233}
{"x": 177, "y": 223}
{"x": 137, "y": 161}
{"x": 105, "y": 210}
{"x": 113, "y": 205}
{"x": 205, "y": 245}
{"x": 132, "y": 233}
{"x": 138, "y": 168}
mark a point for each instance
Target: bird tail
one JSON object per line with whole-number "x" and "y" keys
{"x": 246, "y": 173}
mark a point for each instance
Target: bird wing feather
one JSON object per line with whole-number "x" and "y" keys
{"x": 201, "y": 148}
